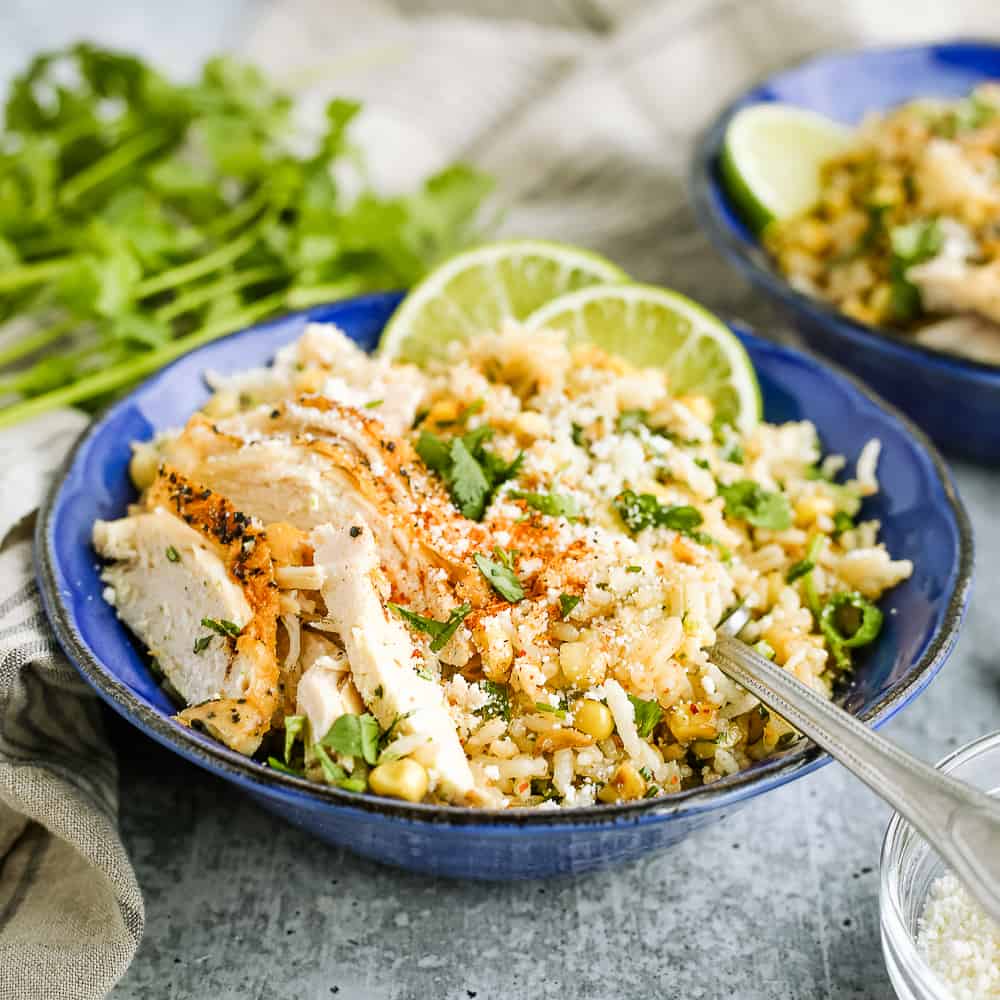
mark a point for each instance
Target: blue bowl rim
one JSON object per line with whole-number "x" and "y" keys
{"x": 734, "y": 247}
{"x": 219, "y": 759}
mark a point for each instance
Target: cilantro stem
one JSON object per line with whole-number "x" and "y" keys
{"x": 34, "y": 341}
{"x": 196, "y": 297}
{"x": 240, "y": 215}
{"x": 304, "y": 296}
{"x": 112, "y": 163}
{"x": 33, "y": 274}
{"x": 214, "y": 261}
{"x": 129, "y": 371}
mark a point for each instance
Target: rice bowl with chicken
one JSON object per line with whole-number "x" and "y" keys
{"x": 491, "y": 581}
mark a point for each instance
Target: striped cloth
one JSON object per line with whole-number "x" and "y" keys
{"x": 585, "y": 110}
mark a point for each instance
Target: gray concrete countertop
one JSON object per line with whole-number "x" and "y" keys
{"x": 779, "y": 900}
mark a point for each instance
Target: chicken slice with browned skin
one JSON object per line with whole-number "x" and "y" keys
{"x": 316, "y": 462}
{"x": 187, "y": 558}
{"x": 383, "y": 658}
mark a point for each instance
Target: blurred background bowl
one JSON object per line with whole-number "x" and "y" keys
{"x": 956, "y": 400}
{"x": 922, "y": 519}
{"x": 909, "y": 868}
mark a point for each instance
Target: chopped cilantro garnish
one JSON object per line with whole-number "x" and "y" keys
{"x": 440, "y": 632}
{"x": 799, "y": 569}
{"x": 277, "y": 765}
{"x": 647, "y": 714}
{"x": 471, "y": 472}
{"x": 641, "y": 511}
{"x": 543, "y": 706}
{"x": 842, "y": 521}
{"x": 501, "y": 577}
{"x": 201, "y": 643}
{"x": 498, "y": 701}
{"x": 750, "y": 502}
{"x": 354, "y": 736}
{"x": 629, "y": 421}
{"x": 567, "y": 602}
{"x": 222, "y": 627}
{"x": 633, "y": 569}
{"x": 371, "y": 404}
{"x": 294, "y": 724}
{"x": 172, "y": 554}
{"x": 577, "y": 434}
{"x": 553, "y": 504}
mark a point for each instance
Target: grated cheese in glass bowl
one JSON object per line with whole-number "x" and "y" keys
{"x": 937, "y": 941}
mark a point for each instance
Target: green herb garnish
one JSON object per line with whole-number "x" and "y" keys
{"x": 639, "y": 511}
{"x": 173, "y": 555}
{"x": 141, "y": 217}
{"x": 440, "y": 632}
{"x": 354, "y": 736}
{"x": 553, "y": 504}
{"x": 222, "y": 627}
{"x": 498, "y": 701}
{"x": 501, "y": 577}
{"x": 294, "y": 724}
{"x": 372, "y": 404}
{"x": 543, "y": 706}
{"x": 647, "y": 714}
{"x": 201, "y": 643}
{"x": 629, "y": 421}
{"x": 278, "y": 765}
{"x": 842, "y": 521}
{"x": 471, "y": 472}
{"x": 567, "y": 602}
{"x": 750, "y": 502}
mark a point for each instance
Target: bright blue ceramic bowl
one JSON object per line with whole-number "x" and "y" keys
{"x": 955, "y": 400}
{"x": 922, "y": 517}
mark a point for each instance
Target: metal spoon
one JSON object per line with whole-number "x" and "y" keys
{"x": 960, "y": 822}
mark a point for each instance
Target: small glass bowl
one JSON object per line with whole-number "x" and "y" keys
{"x": 909, "y": 868}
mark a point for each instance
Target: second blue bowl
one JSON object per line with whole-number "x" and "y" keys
{"x": 957, "y": 401}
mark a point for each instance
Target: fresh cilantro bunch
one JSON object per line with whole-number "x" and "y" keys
{"x": 140, "y": 217}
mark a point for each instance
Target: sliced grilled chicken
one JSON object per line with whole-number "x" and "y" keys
{"x": 317, "y": 462}
{"x": 192, "y": 558}
{"x": 383, "y": 658}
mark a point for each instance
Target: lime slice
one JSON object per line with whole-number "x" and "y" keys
{"x": 471, "y": 293}
{"x": 655, "y": 327}
{"x": 771, "y": 159}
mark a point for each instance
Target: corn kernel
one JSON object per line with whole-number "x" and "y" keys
{"x": 687, "y": 724}
{"x": 626, "y": 784}
{"x": 811, "y": 506}
{"x": 143, "y": 466}
{"x": 400, "y": 779}
{"x": 594, "y": 719}
{"x": 582, "y": 664}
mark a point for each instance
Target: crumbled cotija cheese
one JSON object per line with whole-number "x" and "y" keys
{"x": 960, "y": 942}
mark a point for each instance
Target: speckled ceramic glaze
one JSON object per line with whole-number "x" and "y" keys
{"x": 955, "y": 400}
{"x": 922, "y": 517}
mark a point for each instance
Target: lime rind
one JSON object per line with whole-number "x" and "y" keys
{"x": 476, "y": 290}
{"x": 771, "y": 159}
{"x": 656, "y": 327}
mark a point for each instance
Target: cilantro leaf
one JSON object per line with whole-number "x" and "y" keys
{"x": 629, "y": 421}
{"x": 440, "y": 632}
{"x": 567, "y": 602}
{"x": 750, "y": 502}
{"x": 498, "y": 701}
{"x": 647, "y": 714}
{"x": 500, "y": 577}
{"x": 294, "y": 724}
{"x": 354, "y": 736}
{"x": 222, "y": 627}
{"x": 173, "y": 555}
{"x": 639, "y": 511}
{"x": 469, "y": 486}
{"x": 553, "y": 504}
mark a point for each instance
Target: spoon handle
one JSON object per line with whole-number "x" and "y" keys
{"x": 960, "y": 822}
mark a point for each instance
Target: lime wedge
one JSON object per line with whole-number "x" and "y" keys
{"x": 655, "y": 327}
{"x": 771, "y": 159}
{"x": 471, "y": 293}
